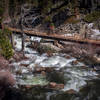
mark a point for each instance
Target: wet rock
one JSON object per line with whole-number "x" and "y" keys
{"x": 18, "y": 56}
{"x": 25, "y": 65}
{"x": 71, "y": 91}
{"x": 56, "y": 76}
{"x": 43, "y": 73}
{"x": 84, "y": 67}
{"x": 57, "y": 44}
{"x": 60, "y": 86}
{"x": 11, "y": 60}
{"x": 27, "y": 40}
{"x": 74, "y": 62}
{"x": 45, "y": 49}
{"x": 67, "y": 57}
{"x": 19, "y": 72}
{"x": 43, "y": 69}
{"x": 39, "y": 69}
{"x": 4, "y": 64}
{"x": 24, "y": 71}
{"x": 6, "y": 78}
{"x": 49, "y": 69}
{"x": 28, "y": 86}
{"x": 56, "y": 86}
{"x": 97, "y": 59}
{"x": 53, "y": 85}
{"x": 50, "y": 45}
{"x": 49, "y": 54}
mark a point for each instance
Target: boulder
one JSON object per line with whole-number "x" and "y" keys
{"x": 52, "y": 85}
{"x": 74, "y": 62}
{"x": 56, "y": 86}
{"x": 6, "y": 81}
{"x": 71, "y": 91}
{"x": 6, "y": 78}
{"x": 4, "y": 64}
{"x": 18, "y": 56}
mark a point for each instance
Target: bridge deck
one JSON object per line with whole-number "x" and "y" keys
{"x": 57, "y": 37}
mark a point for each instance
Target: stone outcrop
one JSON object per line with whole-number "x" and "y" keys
{"x": 4, "y": 64}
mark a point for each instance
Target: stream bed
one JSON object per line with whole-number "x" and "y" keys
{"x": 33, "y": 82}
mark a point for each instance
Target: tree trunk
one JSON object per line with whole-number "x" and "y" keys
{"x": 6, "y": 13}
{"x": 12, "y": 41}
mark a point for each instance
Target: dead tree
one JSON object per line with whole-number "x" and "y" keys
{"x": 23, "y": 34}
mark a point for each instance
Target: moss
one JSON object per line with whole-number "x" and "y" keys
{"x": 92, "y": 17}
{"x": 6, "y": 48}
{"x": 46, "y": 49}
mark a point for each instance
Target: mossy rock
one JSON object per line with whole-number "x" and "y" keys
{"x": 45, "y": 49}
{"x": 92, "y": 16}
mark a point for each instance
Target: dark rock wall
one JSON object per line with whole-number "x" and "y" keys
{"x": 90, "y": 4}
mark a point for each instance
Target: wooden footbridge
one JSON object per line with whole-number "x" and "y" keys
{"x": 57, "y": 36}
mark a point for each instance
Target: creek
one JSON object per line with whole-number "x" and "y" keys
{"x": 80, "y": 81}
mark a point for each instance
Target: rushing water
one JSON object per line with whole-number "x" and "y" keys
{"x": 75, "y": 76}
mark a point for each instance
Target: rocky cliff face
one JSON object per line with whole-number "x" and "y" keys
{"x": 50, "y": 13}
{"x": 57, "y": 11}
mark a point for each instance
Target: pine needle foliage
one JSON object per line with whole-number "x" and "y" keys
{"x": 5, "y": 45}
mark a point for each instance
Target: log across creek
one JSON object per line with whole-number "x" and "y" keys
{"x": 57, "y": 36}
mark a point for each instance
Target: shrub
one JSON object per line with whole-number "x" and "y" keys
{"x": 92, "y": 17}
{"x": 5, "y": 45}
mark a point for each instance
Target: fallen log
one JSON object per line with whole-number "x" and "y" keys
{"x": 56, "y": 36}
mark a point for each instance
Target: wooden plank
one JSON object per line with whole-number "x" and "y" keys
{"x": 57, "y": 37}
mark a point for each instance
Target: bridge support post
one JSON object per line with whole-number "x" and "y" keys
{"x": 30, "y": 40}
{"x": 12, "y": 41}
{"x": 23, "y": 43}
